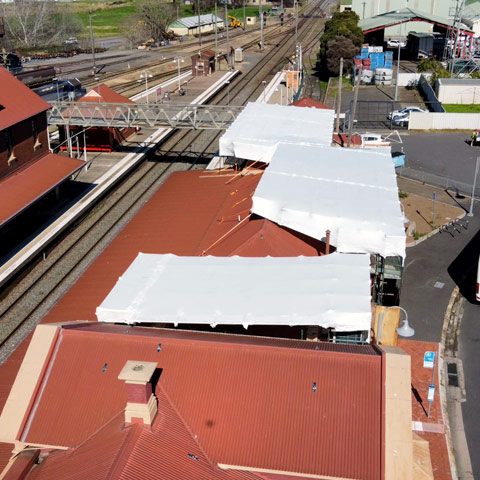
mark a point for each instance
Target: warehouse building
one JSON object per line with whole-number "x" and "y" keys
{"x": 190, "y": 25}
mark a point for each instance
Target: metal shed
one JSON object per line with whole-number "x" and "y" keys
{"x": 190, "y": 25}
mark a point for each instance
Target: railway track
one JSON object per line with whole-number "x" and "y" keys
{"x": 30, "y": 299}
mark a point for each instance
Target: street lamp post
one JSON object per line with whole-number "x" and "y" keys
{"x": 296, "y": 22}
{"x": 199, "y": 27}
{"x": 146, "y": 74}
{"x": 228, "y": 92}
{"x": 398, "y": 56}
{"x": 178, "y": 60}
{"x": 470, "y": 212}
{"x": 405, "y": 330}
{"x": 92, "y": 41}
{"x": 264, "y": 82}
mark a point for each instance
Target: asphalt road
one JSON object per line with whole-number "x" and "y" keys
{"x": 434, "y": 267}
{"x": 444, "y": 154}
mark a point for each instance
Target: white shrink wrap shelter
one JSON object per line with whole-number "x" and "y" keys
{"x": 329, "y": 291}
{"x": 351, "y": 192}
{"x": 261, "y": 126}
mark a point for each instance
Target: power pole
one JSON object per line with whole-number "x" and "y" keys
{"x": 363, "y": 14}
{"x": 94, "y": 67}
{"x": 354, "y": 108}
{"x": 261, "y": 25}
{"x": 339, "y": 104}
{"x": 199, "y": 28}
{"x": 228, "y": 38}
{"x": 216, "y": 36}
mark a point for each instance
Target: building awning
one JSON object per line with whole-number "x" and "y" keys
{"x": 21, "y": 189}
{"x": 332, "y": 291}
{"x": 260, "y": 126}
{"x": 351, "y": 192}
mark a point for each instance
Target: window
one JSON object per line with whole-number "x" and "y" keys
{"x": 36, "y": 143}
{"x": 9, "y": 142}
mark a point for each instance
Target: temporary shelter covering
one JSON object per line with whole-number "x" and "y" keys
{"x": 351, "y": 192}
{"x": 329, "y": 291}
{"x": 260, "y": 126}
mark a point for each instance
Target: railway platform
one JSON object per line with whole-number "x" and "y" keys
{"x": 105, "y": 170}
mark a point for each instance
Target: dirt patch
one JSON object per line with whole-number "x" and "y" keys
{"x": 426, "y": 214}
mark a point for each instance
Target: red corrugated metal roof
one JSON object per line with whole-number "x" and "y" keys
{"x": 23, "y": 187}
{"x": 244, "y": 404}
{"x": 102, "y": 93}
{"x": 94, "y": 459}
{"x": 309, "y": 103}
{"x": 188, "y": 215}
{"x": 17, "y": 100}
{"x": 5, "y": 454}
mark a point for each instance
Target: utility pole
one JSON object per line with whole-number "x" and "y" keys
{"x": 94, "y": 67}
{"x": 199, "y": 28}
{"x": 216, "y": 35}
{"x": 261, "y": 25}
{"x": 244, "y": 15}
{"x": 363, "y": 14}
{"x": 296, "y": 22}
{"x": 354, "y": 108}
{"x": 339, "y": 103}
{"x": 228, "y": 38}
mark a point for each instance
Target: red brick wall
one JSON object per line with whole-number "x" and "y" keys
{"x": 138, "y": 393}
{"x": 23, "y": 144}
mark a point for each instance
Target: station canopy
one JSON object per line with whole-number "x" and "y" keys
{"x": 260, "y": 126}
{"x": 404, "y": 15}
{"x": 351, "y": 192}
{"x": 332, "y": 291}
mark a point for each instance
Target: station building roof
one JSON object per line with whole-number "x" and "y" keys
{"x": 261, "y": 126}
{"x": 103, "y": 93}
{"x": 331, "y": 291}
{"x": 22, "y": 188}
{"x": 17, "y": 102}
{"x": 404, "y": 15}
{"x": 193, "y": 213}
{"x": 229, "y": 407}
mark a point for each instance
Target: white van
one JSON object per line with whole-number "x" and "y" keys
{"x": 478, "y": 281}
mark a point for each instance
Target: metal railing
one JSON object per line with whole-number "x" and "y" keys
{"x": 438, "y": 181}
{"x": 120, "y": 115}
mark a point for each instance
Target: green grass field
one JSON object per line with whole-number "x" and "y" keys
{"x": 108, "y": 19}
{"x": 452, "y": 108}
{"x": 109, "y": 16}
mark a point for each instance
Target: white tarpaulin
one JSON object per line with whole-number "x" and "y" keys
{"x": 256, "y": 131}
{"x": 351, "y": 192}
{"x": 329, "y": 291}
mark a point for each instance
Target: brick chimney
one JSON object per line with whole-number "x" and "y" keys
{"x": 141, "y": 403}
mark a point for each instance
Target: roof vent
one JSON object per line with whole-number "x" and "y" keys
{"x": 141, "y": 403}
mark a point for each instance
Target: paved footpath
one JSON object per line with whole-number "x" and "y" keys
{"x": 433, "y": 270}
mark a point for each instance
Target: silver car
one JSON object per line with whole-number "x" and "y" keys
{"x": 405, "y": 110}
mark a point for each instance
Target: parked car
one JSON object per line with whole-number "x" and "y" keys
{"x": 373, "y": 140}
{"x": 71, "y": 41}
{"x": 405, "y": 110}
{"x": 401, "y": 120}
{"x": 394, "y": 43}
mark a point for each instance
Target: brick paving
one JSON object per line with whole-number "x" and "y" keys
{"x": 421, "y": 379}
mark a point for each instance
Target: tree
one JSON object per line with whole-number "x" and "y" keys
{"x": 342, "y": 25}
{"x": 340, "y": 47}
{"x": 156, "y": 18}
{"x": 435, "y": 67}
{"x": 134, "y": 29}
{"x": 30, "y": 23}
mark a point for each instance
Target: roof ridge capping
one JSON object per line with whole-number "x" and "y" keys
{"x": 27, "y": 381}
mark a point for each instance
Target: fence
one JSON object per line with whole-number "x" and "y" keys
{"x": 438, "y": 181}
{"x": 429, "y": 95}
{"x": 444, "y": 121}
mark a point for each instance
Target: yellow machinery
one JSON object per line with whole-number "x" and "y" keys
{"x": 234, "y": 23}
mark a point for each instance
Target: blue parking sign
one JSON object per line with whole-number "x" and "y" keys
{"x": 428, "y": 359}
